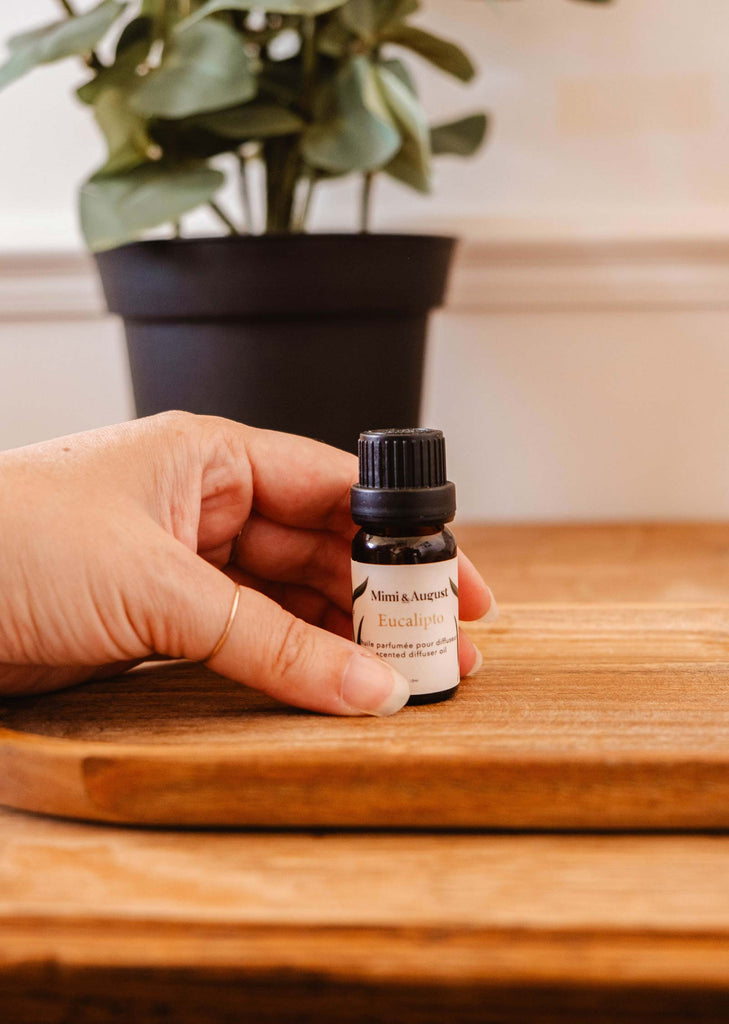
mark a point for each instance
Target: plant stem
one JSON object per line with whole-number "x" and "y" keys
{"x": 308, "y": 60}
{"x": 282, "y": 170}
{"x": 245, "y": 195}
{"x": 303, "y": 214}
{"x": 282, "y": 156}
{"x": 366, "y": 202}
{"x": 176, "y": 229}
{"x": 91, "y": 59}
{"x": 222, "y": 215}
{"x": 284, "y": 165}
{"x": 162, "y": 21}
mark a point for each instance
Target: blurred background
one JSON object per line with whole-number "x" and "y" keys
{"x": 581, "y": 368}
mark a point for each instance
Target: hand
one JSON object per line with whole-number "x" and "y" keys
{"x": 120, "y": 543}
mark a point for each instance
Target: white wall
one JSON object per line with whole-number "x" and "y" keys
{"x": 608, "y": 122}
{"x": 606, "y": 119}
{"x": 584, "y": 415}
{"x": 59, "y": 378}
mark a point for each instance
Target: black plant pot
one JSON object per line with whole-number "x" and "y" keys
{"x": 322, "y": 335}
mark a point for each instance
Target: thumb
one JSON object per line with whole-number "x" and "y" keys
{"x": 271, "y": 650}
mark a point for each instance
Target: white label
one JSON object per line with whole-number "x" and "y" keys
{"x": 408, "y": 615}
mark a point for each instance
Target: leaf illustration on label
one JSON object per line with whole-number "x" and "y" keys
{"x": 359, "y": 631}
{"x": 454, "y": 586}
{"x": 359, "y": 591}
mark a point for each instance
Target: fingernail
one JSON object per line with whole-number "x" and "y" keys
{"x": 477, "y": 663}
{"x": 371, "y": 687}
{"x": 493, "y": 613}
{"x": 467, "y": 650}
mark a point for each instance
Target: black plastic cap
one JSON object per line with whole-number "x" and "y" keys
{"x": 402, "y": 478}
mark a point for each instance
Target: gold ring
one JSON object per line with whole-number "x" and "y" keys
{"x": 228, "y": 626}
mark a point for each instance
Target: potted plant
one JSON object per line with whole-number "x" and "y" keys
{"x": 316, "y": 334}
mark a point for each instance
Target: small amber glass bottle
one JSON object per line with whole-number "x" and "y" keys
{"x": 404, "y": 559}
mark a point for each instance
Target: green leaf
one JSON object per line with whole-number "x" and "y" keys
{"x": 411, "y": 163}
{"x": 360, "y": 17}
{"x": 15, "y": 67}
{"x": 359, "y": 591}
{"x": 369, "y": 19}
{"x": 406, "y": 167}
{"x": 131, "y": 51}
{"x": 299, "y": 7}
{"x": 355, "y": 131}
{"x": 24, "y": 39}
{"x": 70, "y": 37}
{"x": 121, "y": 208}
{"x": 205, "y": 67}
{"x": 460, "y": 138}
{"x": 439, "y": 52}
{"x": 397, "y": 68}
{"x": 391, "y": 12}
{"x": 252, "y": 121}
{"x": 125, "y": 132}
{"x": 333, "y": 40}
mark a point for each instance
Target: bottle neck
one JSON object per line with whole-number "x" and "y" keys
{"x": 402, "y": 529}
{"x": 408, "y": 505}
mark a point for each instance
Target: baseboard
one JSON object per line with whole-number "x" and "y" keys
{"x": 591, "y": 275}
{"x": 39, "y": 286}
{"x": 520, "y": 276}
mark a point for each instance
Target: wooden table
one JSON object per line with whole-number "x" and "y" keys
{"x": 102, "y": 923}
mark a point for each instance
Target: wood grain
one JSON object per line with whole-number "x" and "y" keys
{"x": 596, "y": 717}
{"x": 606, "y": 714}
{"x": 686, "y": 563}
{"x": 111, "y": 921}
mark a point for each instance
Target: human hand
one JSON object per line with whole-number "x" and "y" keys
{"x": 121, "y": 543}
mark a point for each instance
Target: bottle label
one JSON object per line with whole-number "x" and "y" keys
{"x": 408, "y": 615}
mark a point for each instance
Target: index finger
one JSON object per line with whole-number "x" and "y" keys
{"x": 306, "y": 484}
{"x": 300, "y": 482}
